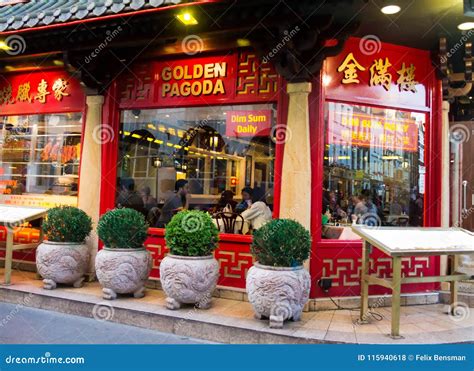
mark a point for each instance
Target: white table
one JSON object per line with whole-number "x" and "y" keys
{"x": 12, "y": 217}
{"x": 400, "y": 242}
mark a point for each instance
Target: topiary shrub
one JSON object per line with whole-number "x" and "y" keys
{"x": 191, "y": 233}
{"x": 122, "y": 228}
{"x": 281, "y": 243}
{"x": 67, "y": 224}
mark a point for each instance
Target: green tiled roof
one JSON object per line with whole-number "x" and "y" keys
{"x": 37, "y": 13}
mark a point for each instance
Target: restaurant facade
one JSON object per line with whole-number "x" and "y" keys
{"x": 356, "y": 142}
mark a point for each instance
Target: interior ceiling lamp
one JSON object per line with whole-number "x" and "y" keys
{"x": 4, "y": 46}
{"x": 390, "y": 9}
{"x": 466, "y": 26}
{"x": 187, "y": 19}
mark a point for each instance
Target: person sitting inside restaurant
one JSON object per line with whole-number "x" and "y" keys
{"x": 258, "y": 214}
{"x": 333, "y": 207}
{"x": 129, "y": 197}
{"x": 148, "y": 200}
{"x": 226, "y": 203}
{"x": 177, "y": 202}
{"x": 246, "y": 202}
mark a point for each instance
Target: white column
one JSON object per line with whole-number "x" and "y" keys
{"x": 295, "y": 201}
{"x": 90, "y": 175}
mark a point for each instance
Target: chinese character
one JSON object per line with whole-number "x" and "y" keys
{"x": 59, "y": 88}
{"x": 42, "y": 91}
{"x": 379, "y": 74}
{"x": 6, "y": 95}
{"x": 406, "y": 81}
{"x": 350, "y": 67}
{"x": 23, "y": 94}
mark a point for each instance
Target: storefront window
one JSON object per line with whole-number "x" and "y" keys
{"x": 374, "y": 168}
{"x": 220, "y": 151}
{"x": 39, "y": 159}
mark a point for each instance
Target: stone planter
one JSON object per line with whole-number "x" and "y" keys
{"x": 278, "y": 293}
{"x": 123, "y": 271}
{"x": 62, "y": 262}
{"x": 189, "y": 280}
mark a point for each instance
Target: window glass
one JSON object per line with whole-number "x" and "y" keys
{"x": 374, "y": 169}
{"x": 220, "y": 151}
{"x": 39, "y": 159}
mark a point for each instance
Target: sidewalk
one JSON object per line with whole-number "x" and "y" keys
{"x": 231, "y": 321}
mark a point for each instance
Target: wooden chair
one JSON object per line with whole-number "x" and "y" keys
{"x": 229, "y": 222}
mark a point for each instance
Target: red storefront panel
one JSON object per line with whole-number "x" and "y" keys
{"x": 40, "y": 92}
{"x": 341, "y": 260}
{"x": 236, "y": 77}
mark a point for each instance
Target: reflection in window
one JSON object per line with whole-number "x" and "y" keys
{"x": 373, "y": 168}
{"x": 39, "y": 154}
{"x": 225, "y": 153}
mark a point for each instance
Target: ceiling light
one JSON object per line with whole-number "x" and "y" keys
{"x": 466, "y": 26}
{"x": 4, "y": 46}
{"x": 187, "y": 19}
{"x": 390, "y": 9}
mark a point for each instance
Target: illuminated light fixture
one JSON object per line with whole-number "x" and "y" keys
{"x": 390, "y": 157}
{"x": 326, "y": 80}
{"x": 137, "y": 136}
{"x": 58, "y": 62}
{"x": 344, "y": 158}
{"x": 463, "y": 26}
{"x": 187, "y": 19}
{"x": 390, "y": 9}
{"x": 243, "y": 42}
{"x": 4, "y": 46}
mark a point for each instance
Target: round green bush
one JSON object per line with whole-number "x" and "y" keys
{"x": 67, "y": 224}
{"x": 191, "y": 233}
{"x": 122, "y": 228}
{"x": 281, "y": 243}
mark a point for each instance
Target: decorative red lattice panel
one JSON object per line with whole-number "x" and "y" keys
{"x": 342, "y": 263}
{"x": 233, "y": 255}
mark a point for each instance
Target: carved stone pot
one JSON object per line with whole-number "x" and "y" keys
{"x": 123, "y": 271}
{"x": 189, "y": 280}
{"x": 278, "y": 293}
{"x": 62, "y": 262}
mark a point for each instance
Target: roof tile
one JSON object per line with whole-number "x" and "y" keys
{"x": 37, "y": 13}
